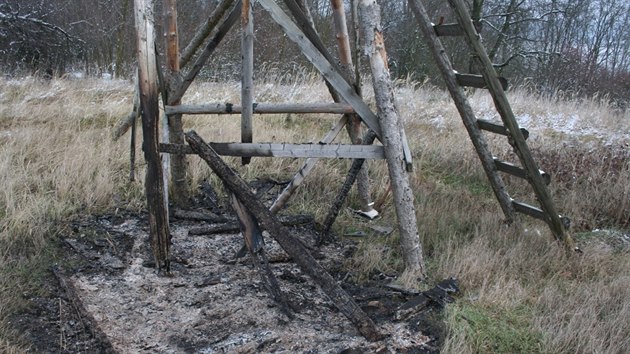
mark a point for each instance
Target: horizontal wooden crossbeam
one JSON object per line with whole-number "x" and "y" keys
{"x": 285, "y": 150}
{"x": 261, "y": 108}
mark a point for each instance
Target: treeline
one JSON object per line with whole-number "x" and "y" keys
{"x": 573, "y": 46}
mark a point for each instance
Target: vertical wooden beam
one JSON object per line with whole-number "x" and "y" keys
{"x": 247, "y": 78}
{"x": 341, "y": 29}
{"x": 147, "y": 69}
{"x": 354, "y": 122}
{"x": 178, "y": 167}
{"x": 392, "y": 136}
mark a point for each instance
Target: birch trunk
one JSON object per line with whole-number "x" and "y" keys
{"x": 391, "y": 136}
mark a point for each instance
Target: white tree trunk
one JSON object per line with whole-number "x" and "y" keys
{"x": 391, "y": 136}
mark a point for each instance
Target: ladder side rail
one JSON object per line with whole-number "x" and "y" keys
{"x": 464, "y": 108}
{"x": 505, "y": 111}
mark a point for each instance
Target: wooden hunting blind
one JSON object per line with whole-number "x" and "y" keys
{"x": 172, "y": 80}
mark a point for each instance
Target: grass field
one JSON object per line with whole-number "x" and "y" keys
{"x": 520, "y": 292}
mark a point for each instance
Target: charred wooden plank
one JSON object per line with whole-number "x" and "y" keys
{"x": 154, "y": 184}
{"x": 198, "y": 215}
{"x": 233, "y": 226}
{"x": 87, "y": 320}
{"x": 351, "y": 177}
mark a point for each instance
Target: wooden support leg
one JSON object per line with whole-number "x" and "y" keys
{"x": 158, "y": 218}
{"x": 247, "y": 78}
{"x": 392, "y": 137}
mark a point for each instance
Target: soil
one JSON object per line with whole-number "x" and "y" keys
{"x": 108, "y": 297}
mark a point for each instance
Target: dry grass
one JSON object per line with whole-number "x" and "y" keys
{"x": 521, "y": 293}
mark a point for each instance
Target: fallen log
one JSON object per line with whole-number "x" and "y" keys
{"x": 280, "y": 233}
{"x": 198, "y": 216}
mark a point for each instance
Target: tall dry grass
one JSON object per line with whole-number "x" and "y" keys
{"x": 520, "y": 292}
{"x": 57, "y": 160}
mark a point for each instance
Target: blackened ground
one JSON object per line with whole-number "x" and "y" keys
{"x": 107, "y": 297}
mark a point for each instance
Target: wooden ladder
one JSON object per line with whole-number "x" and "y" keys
{"x": 516, "y": 136}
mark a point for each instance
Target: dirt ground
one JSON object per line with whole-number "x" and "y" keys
{"x": 108, "y": 297}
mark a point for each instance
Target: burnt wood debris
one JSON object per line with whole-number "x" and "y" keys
{"x": 365, "y": 126}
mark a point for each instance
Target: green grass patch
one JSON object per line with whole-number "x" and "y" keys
{"x": 473, "y": 184}
{"x": 495, "y": 330}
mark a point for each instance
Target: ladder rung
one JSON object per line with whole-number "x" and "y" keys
{"x": 477, "y": 81}
{"x": 498, "y": 129}
{"x": 518, "y": 171}
{"x": 529, "y": 210}
{"x": 538, "y": 213}
{"x": 452, "y": 29}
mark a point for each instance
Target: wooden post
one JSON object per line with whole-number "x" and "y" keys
{"x": 392, "y": 138}
{"x": 147, "y": 69}
{"x": 178, "y": 167}
{"x": 247, "y": 78}
{"x": 354, "y": 122}
{"x": 280, "y": 233}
